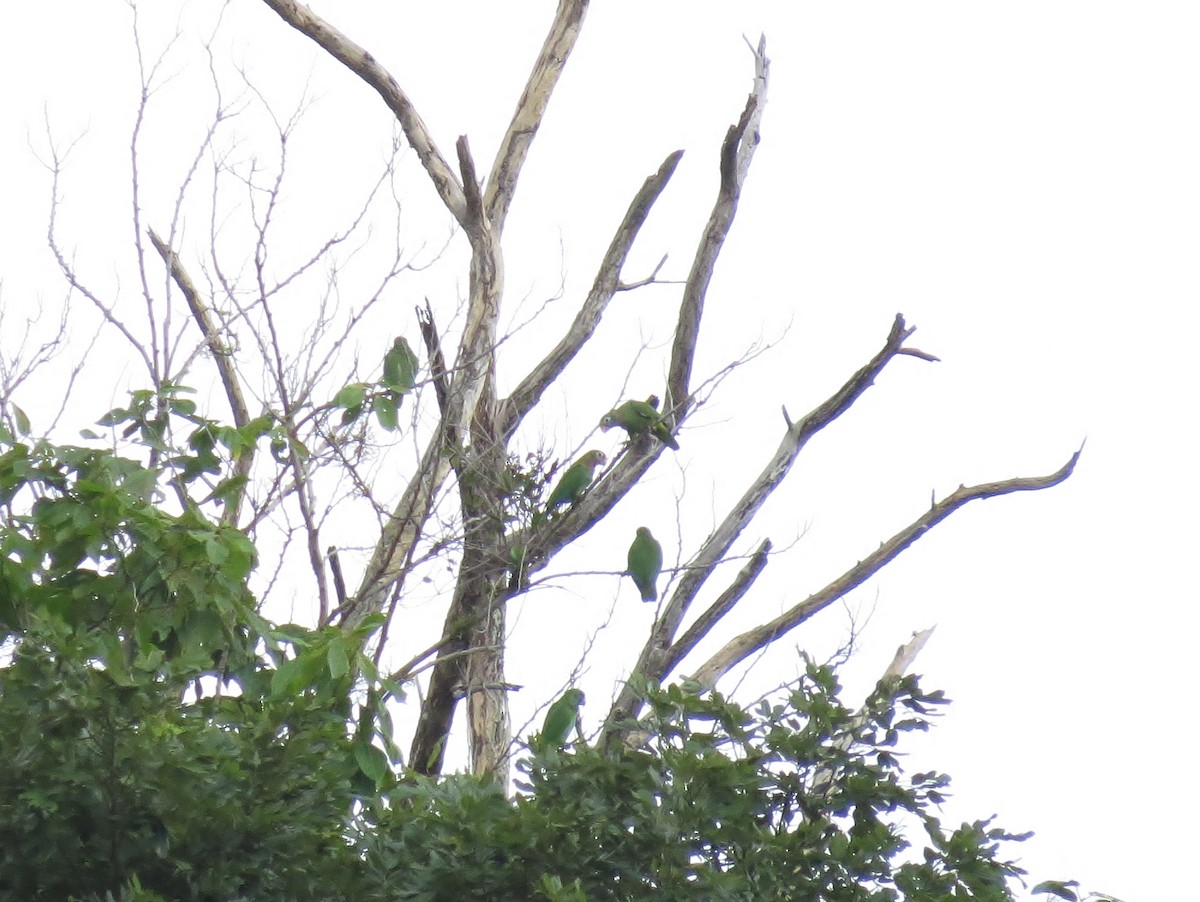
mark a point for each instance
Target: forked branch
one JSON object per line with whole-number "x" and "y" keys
{"x": 737, "y": 152}
{"x": 366, "y": 67}
{"x": 660, "y": 654}
{"x": 527, "y": 118}
{"x": 751, "y": 641}
{"x": 605, "y": 285}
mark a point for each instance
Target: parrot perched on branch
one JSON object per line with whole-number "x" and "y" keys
{"x": 575, "y": 480}
{"x": 645, "y": 563}
{"x": 639, "y": 418}
{"x": 561, "y": 719}
{"x": 400, "y": 365}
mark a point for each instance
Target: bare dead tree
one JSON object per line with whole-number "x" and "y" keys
{"x": 465, "y": 493}
{"x": 477, "y": 426}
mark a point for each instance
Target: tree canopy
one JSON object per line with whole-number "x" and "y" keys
{"x": 118, "y": 764}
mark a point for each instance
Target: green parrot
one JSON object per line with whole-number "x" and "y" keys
{"x": 561, "y": 720}
{"x": 400, "y": 365}
{"x": 575, "y": 480}
{"x": 639, "y": 418}
{"x": 645, "y": 563}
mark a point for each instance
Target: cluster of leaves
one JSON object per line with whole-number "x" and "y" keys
{"x": 85, "y": 548}
{"x": 231, "y": 798}
{"x": 800, "y": 800}
{"x": 208, "y": 446}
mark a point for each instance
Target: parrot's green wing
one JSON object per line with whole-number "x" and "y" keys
{"x": 400, "y": 366}
{"x": 645, "y": 563}
{"x": 561, "y": 719}
{"x": 636, "y": 416}
{"x": 575, "y": 480}
{"x": 663, "y": 434}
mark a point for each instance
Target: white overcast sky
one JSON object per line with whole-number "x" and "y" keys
{"x": 1020, "y": 179}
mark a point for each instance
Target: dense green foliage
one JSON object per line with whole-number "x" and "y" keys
{"x": 127, "y": 774}
{"x": 719, "y": 803}
{"x": 113, "y": 614}
{"x": 217, "y": 801}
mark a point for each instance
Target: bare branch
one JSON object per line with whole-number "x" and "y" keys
{"x": 712, "y": 615}
{"x": 415, "y": 664}
{"x": 401, "y": 532}
{"x": 160, "y": 354}
{"x": 339, "y": 582}
{"x": 648, "y": 280}
{"x": 67, "y": 268}
{"x": 365, "y": 66}
{"x": 606, "y": 284}
{"x": 514, "y": 147}
{"x": 470, "y": 181}
{"x": 737, "y": 151}
{"x": 657, "y": 651}
{"x": 739, "y": 648}
{"x": 222, "y": 357}
{"x": 437, "y": 360}
{"x": 474, "y": 619}
{"x": 906, "y": 654}
{"x": 30, "y": 354}
{"x": 796, "y": 436}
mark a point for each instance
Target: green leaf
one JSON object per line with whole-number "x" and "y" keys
{"x": 387, "y": 412}
{"x": 1061, "y": 889}
{"x": 184, "y": 407}
{"x": 286, "y": 675}
{"x": 369, "y": 624}
{"x": 371, "y": 761}
{"x": 22, "y": 420}
{"x": 294, "y": 676}
{"x": 216, "y": 551}
{"x": 351, "y": 396}
{"x": 114, "y": 416}
{"x": 228, "y": 489}
{"x": 338, "y": 660}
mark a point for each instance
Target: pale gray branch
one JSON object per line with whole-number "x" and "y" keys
{"x": 906, "y": 654}
{"x": 749, "y": 642}
{"x": 401, "y": 531}
{"x": 366, "y": 67}
{"x": 676, "y": 651}
{"x": 437, "y": 360}
{"x": 514, "y": 148}
{"x": 222, "y": 357}
{"x": 737, "y": 152}
{"x": 606, "y": 284}
{"x": 658, "y": 650}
